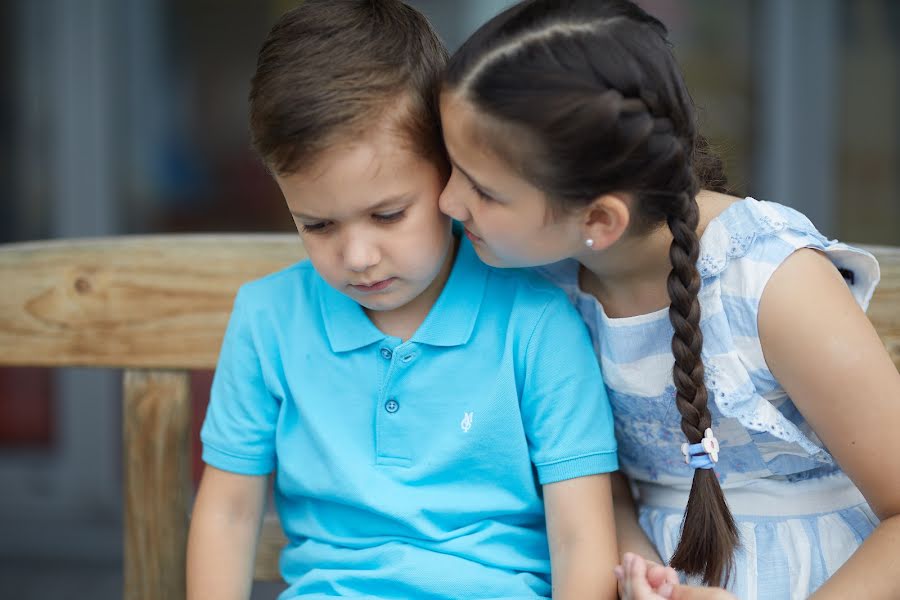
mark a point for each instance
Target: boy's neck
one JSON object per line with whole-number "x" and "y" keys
{"x": 404, "y": 321}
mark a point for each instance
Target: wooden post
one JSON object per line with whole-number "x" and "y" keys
{"x": 157, "y": 483}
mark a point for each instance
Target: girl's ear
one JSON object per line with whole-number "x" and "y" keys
{"x": 605, "y": 220}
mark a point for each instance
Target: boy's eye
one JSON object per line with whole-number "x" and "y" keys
{"x": 389, "y": 217}
{"x": 315, "y": 227}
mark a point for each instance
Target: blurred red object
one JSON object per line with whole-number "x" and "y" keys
{"x": 200, "y": 384}
{"x": 26, "y": 407}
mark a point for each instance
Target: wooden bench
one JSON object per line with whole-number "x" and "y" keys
{"x": 157, "y": 307}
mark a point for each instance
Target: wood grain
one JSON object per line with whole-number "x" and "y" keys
{"x": 152, "y": 302}
{"x": 884, "y": 310}
{"x": 164, "y": 301}
{"x": 156, "y": 424}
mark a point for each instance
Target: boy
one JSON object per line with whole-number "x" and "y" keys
{"x": 421, "y": 412}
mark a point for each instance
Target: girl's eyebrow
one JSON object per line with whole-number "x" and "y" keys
{"x": 380, "y": 205}
{"x": 471, "y": 179}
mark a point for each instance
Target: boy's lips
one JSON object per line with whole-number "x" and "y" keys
{"x": 375, "y": 286}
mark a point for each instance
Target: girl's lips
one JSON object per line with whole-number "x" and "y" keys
{"x": 473, "y": 238}
{"x": 375, "y": 287}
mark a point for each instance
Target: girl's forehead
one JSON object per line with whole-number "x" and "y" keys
{"x": 468, "y": 122}
{"x": 486, "y": 138}
{"x": 460, "y": 119}
{"x": 470, "y": 135}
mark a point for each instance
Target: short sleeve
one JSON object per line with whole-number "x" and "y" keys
{"x": 565, "y": 408}
{"x": 744, "y": 251}
{"x": 740, "y": 251}
{"x": 238, "y": 434}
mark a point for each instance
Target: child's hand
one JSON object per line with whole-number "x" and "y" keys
{"x": 645, "y": 585}
{"x": 643, "y": 580}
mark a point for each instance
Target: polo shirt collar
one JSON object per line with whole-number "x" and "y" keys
{"x": 347, "y": 325}
{"x": 450, "y": 321}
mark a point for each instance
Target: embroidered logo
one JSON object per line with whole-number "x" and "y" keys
{"x": 466, "y": 423}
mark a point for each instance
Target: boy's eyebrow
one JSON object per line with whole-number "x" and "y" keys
{"x": 471, "y": 179}
{"x": 380, "y": 205}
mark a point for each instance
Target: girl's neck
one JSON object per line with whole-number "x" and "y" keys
{"x": 630, "y": 277}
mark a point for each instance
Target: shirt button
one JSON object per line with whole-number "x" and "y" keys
{"x": 392, "y": 406}
{"x": 386, "y": 354}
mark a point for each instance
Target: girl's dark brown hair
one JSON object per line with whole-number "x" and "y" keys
{"x": 595, "y": 103}
{"x": 332, "y": 70}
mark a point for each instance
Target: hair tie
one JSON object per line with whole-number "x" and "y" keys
{"x": 703, "y": 455}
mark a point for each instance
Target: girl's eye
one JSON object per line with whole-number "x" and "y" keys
{"x": 480, "y": 193}
{"x": 390, "y": 217}
{"x": 315, "y": 227}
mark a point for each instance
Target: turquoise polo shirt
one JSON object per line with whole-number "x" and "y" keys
{"x": 410, "y": 469}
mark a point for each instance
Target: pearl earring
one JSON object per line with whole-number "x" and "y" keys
{"x": 589, "y": 243}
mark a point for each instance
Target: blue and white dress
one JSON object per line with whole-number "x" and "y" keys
{"x": 798, "y": 514}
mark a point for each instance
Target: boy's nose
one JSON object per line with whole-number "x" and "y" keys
{"x": 360, "y": 255}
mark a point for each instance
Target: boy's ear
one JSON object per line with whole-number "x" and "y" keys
{"x": 605, "y": 220}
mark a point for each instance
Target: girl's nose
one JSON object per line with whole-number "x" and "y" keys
{"x": 452, "y": 205}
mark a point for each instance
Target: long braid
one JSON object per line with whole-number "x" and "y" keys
{"x": 708, "y": 535}
{"x": 684, "y": 313}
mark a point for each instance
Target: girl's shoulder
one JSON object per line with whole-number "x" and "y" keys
{"x": 562, "y": 274}
{"x": 740, "y": 250}
{"x": 744, "y": 244}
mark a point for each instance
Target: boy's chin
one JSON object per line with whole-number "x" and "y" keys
{"x": 382, "y": 304}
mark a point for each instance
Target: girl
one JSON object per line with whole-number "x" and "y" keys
{"x": 718, "y": 321}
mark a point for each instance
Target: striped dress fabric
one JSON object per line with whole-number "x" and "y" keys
{"x": 798, "y": 514}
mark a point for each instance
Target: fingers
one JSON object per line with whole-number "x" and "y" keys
{"x": 687, "y": 592}
{"x": 657, "y": 575}
{"x": 622, "y": 577}
{"x": 636, "y": 585}
{"x": 640, "y": 579}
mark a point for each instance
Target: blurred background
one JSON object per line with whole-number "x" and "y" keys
{"x": 129, "y": 116}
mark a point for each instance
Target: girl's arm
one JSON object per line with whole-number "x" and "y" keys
{"x": 628, "y": 531}
{"x": 632, "y": 538}
{"x": 823, "y": 350}
{"x": 581, "y": 531}
{"x": 224, "y": 530}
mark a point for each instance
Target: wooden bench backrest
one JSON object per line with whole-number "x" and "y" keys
{"x": 157, "y": 307}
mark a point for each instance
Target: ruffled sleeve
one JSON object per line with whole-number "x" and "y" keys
{"x": 739, "y": 253}
{"x": 764, "y": 233}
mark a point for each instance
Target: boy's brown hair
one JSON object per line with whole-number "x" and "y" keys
{"x": 331, "y": 70}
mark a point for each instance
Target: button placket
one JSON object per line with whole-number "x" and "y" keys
{"x": 391, "y": 440}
